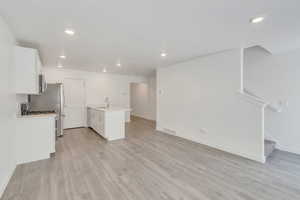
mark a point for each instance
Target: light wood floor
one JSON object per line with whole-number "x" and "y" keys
{"x": 151, "y": 166}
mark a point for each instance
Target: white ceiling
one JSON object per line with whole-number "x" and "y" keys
{"x": 135, "y": 31}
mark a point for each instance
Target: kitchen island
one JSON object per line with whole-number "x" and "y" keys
{"x": 107, "y": 122}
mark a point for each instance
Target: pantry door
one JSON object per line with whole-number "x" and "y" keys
{"x": 74, "y": 103}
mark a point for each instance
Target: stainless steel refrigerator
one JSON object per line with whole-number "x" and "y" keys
{"x": 52, "y": 99}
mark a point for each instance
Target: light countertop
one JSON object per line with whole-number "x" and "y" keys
{"x": 36, "y": 116}
{"x": 110, "y": 109}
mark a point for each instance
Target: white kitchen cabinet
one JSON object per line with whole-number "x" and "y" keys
{"x": 93, "y": 118}
{"x": 27, "y": 70}
{"x": 107, "y": 122}
{"x": 88, "y": 118}
{"x": 35, "y": 137}
{"x": 96, "y": 121}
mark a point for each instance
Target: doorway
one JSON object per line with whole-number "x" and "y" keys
{"x": 143, "y": 99}
{"x": 74, "y": 106}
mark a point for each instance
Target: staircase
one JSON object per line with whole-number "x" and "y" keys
{"x": 269, "y": 147}
{"x": 276, "y": 107}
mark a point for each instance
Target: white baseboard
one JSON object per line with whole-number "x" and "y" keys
{"x": 6, "y": 180}
{"x": 260, "y": 159}
{"x": 142, "y": 117}
{"x": 288, "y": 149}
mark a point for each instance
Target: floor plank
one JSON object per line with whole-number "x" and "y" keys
{"x": 151, "y": 165}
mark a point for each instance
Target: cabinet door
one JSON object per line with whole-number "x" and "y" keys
{"x": 88, "y": 117}
{"x": 97, "y": 122}
{"x": 26, "y": 71}
{"x": 93, "y": 124}
{"x": 101, "y": 122}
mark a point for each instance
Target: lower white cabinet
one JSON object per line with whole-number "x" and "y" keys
{"x": 35, "y": 137}
{"x": 95, "y": 120}
{"x": 109, "y": 123}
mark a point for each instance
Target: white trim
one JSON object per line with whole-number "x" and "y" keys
{"x": 135, "y": 115}
{"x": 288, "y": 149}
{"x": 272, "y": 106}
{"x": 251, "y": 98}
{"x": 260, "y": 159}
{"x": 263, "y": 133}
{"x": 242, "y": 70}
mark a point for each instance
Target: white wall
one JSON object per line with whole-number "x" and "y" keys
{"x": 143, "y": 98}
{"x": 8, "y": 108}
{"x": 198, "y": 100}
{"x": 276, "y": 78}
{"x": 139, "y": 99}
{"x": 98, "y": 85}
{"x": 152, "y": 97}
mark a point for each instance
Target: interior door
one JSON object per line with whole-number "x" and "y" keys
{"x": 74, "y": 107}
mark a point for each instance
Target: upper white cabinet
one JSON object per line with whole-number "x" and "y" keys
{"x": 27, "y": 68}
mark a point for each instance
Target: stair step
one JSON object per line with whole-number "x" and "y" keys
{"x": 269, "y": 147}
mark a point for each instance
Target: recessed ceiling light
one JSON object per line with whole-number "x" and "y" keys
{"x": 62, "y": 57}
{"x": 104, "y": 70}
{"x": 256, "y": 20}
{"x": 163, "y": 54}
{"x": 69, "y": 31}
{"x": 119, "y": 64}
{"x": 60, "y": 66}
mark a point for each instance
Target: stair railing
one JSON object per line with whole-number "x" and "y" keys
{"x": 253, "y": 98}
{"x": 275, "y": 106}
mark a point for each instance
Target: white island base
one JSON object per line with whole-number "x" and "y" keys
{"x": 108, "y": 122}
